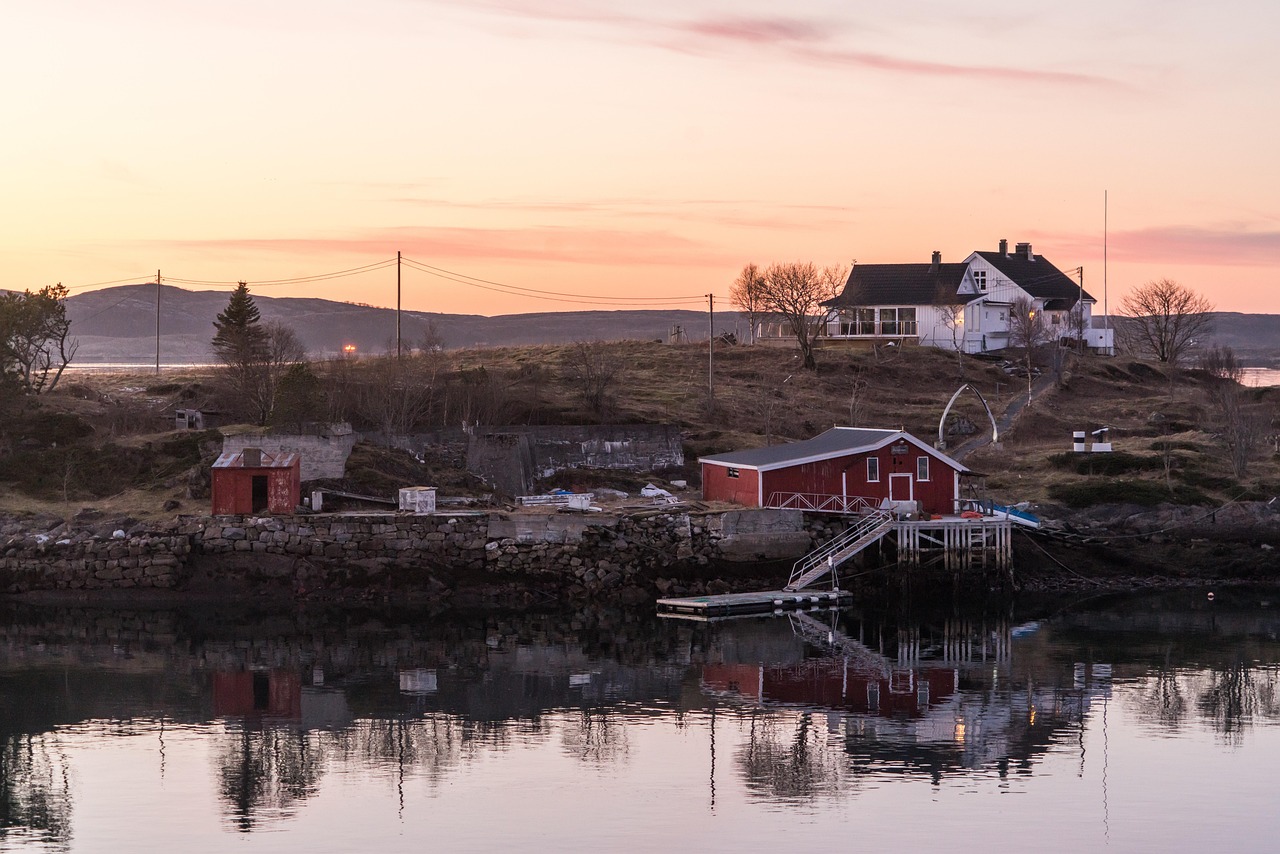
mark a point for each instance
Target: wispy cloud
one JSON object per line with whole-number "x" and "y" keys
{"x": 741, "y": 213}
{"x": 813, "y": 40}
{"x": 1225, "y": 245}
{"x": 540, "y": 244}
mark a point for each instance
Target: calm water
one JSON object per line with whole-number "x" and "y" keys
{"x": 1138, "y": 724}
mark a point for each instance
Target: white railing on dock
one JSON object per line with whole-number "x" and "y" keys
{"x": 816, "y": 502}
{"x": 827, "y": 557}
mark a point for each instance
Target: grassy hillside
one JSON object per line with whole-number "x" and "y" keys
{"x": 113, "y": 446}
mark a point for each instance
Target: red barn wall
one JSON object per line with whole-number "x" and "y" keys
{"x": 718, "y": 486}
{"x": 848, "y": 476}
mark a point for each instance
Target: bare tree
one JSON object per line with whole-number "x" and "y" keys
{"x": 795, "y": 292}
{"x": 747, "y": 293}
{"x": 951, "y": 313}
{"x": 1166, "y": 318}
{"x": 593, "y": 368}
{"x": 1242, "y": 426}
{"x": 1027, "y": 331}
{"x": 397, "y": 394}
{"x": 1221, "y": 363}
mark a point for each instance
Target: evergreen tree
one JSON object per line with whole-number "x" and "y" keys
{"x": 240, "y": 337}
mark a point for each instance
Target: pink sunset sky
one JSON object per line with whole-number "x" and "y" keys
{"x": 633, "y": 155}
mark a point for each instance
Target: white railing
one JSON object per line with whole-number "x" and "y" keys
{"x": 819, "y": 503}
{"x": 827, "y": 557}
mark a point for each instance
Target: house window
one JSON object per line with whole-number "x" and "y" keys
{"x": 731, "y": 473}
{"x": 866, "y": 319}
{"x": 888, "y": 321}
{"x": 873, "y": 469}
{"x": 907, "y": 320}
{"x": 980, "y": 279}
{"x": 922, "y": 468}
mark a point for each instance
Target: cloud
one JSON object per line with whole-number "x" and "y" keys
{"x": 740, "y": 213}
{"x": 803, "y": 40}
{"x": 1226, "y": 245}
{"x": 540, "y": 244}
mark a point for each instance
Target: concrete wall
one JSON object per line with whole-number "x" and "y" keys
{"x": 324, "y": 454}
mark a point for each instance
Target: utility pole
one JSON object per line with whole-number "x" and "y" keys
{"x": 1106, "y": 312}
{"x": 399, "y": 349}
{"x": 1080, "y": 308}
{"x": 711, "y": 353}
{"x": 157, "y": 321}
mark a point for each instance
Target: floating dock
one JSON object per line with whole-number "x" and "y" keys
{"x": 760, "y": 602}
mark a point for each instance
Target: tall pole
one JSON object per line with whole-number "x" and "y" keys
{"x": 399, "y": 349}
{"x": 1106, "y": 312}
{"x": 1080, "y": 308}
{"x": 157, "y": 321}
{"x": 711, "y": 353}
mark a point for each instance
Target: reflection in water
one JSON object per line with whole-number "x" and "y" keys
{"x": 35, "y": 795}
{"x": 803, "y": 712}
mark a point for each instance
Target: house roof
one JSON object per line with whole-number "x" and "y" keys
{"x": 235, "y": 460}
{"x": 903, "y": 284}
{"x": 836, "y": 442}
{"x": 1038, "y": 277}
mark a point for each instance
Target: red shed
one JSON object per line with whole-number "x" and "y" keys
{"x": 251, "y": 481}
{"x": 841, "y": 464}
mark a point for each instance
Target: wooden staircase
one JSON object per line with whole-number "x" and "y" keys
{"x": 830, "y": 555}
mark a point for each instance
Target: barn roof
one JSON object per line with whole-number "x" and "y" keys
{"x": 235, "y": 460}
{"x": 836, "y": 442}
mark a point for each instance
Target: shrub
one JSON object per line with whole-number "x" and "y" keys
{"x": 1113, "y": 491}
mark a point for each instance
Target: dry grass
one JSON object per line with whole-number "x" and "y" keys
{"x": 761, "y": 395}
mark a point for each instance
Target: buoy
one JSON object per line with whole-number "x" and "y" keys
{"x": 1210, "y": 595}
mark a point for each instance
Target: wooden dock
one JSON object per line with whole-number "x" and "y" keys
{"x": 760, "y": 602}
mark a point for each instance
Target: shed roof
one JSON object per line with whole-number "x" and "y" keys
{"x": 235, "y": 460}
{"x": 836, "y": 442}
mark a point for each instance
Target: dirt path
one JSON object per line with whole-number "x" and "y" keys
{"x": 1006, "y": 419}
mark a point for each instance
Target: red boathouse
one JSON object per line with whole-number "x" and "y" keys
{"x": 251, "y": 481}
{"x": 835, "y": 469}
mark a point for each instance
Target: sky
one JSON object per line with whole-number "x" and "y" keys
{"x": 558, "y": 155}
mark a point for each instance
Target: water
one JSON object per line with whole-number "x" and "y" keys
{"x": 1139, "y": 724}
{"x": 1261, "y": 377}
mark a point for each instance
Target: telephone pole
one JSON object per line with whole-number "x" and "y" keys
{"x": 157, "y": 321}
{"x": 711, "y": 353}
{"x": 399, "y": 349}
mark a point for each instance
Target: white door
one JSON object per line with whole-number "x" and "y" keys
{"x": 900, "y": 487}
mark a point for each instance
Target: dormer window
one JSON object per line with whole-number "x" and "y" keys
{"x": 980, "y": 280}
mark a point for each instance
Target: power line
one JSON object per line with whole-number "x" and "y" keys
{"x": 537, "y": 293}
{"x": 271, "y": 283}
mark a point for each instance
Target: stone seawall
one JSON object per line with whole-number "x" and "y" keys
{"x": 592, "y": 551}
{"x": 155, "y": 561}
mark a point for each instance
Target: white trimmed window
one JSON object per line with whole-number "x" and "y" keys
{"x": 980, "y": 279}
{"x": 873, "y": 469}
{"x": 922, "y": 468}
{"x": 731, "y": 473}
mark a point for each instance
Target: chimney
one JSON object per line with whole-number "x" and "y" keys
{"x": 252, "y": 458}
{"x": 1024, "y": 249}
{"x": 937, "y": 261}
{"x": 1004, "y": 247}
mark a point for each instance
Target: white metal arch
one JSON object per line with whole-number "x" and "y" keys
{"x": 995, "y": 431}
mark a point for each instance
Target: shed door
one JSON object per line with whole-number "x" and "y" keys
{"x": 259, "y": 493}
{"x": 900, "y": 487}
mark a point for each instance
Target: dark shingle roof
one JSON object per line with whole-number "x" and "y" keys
{"x": 1038, "y": 278}
{"x": 833, "y": 443}
{"x": 902, "y": 284}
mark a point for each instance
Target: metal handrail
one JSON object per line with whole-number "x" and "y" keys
{"x": 819, "y": 502}
{"x": 867, "y": 525}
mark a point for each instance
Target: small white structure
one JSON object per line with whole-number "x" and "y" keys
{"x": 1100, "y": 443}
{"x": 419, "y": 500}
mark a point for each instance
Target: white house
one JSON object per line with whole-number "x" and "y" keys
{"x": 964, "y": 305}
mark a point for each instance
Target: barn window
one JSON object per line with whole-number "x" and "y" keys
{"x": 873, "y": 469}
{"x": 732, "y": 473}
{"x": 922, "y": 468}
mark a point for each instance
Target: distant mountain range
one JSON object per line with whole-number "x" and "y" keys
{"x": 119, "y": 325}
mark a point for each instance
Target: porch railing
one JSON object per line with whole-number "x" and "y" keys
{"x": 818, "y": 503}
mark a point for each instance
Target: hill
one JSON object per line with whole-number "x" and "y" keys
{"x": 119, "y": 324}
